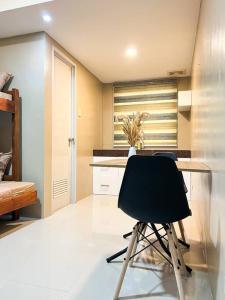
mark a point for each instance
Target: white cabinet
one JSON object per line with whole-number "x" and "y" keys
{"x": 184, "y": 100}
{"x": 107, "y": 181}
{"x": 104, "y": 181}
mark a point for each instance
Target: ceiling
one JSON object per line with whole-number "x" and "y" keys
{"x": 12, "y": 4}
{"x": 98, "y": 32}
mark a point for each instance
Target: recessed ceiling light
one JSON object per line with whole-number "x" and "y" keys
{"x": 47, "y": 18}
{"x": 131, "y": 52}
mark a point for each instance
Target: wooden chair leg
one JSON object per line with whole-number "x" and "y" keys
{"x": 142, "y": 229}
{"x": 134, "y": 250}
{"x": 179, "y": 254}
{"x": 15, "y": 215}
{"x": 126, "y": 261}
{"x": 181, "y": 227}
{"x": 175, "y": 261}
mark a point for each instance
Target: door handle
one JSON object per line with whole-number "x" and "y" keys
{"x": 71, "y": 141}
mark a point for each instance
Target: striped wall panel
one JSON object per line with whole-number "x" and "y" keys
{"x": 159, "y": 99}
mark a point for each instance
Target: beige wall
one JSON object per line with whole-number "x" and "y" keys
{"x": 88, "y": 123}
{"x": 107, "y": 106}
{"x": 89, "y": 128}
{"x": 184, "y": 127}
{"x": 208, "y": 137}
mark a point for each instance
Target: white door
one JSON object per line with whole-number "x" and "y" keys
{"x": 62, "y": 142}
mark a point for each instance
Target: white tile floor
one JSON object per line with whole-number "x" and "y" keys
{"x": 63, "y": 258}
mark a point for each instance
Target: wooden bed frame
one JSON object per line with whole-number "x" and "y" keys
{"x": 27, "y": 198}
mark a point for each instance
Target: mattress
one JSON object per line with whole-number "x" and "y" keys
{"x": 11, "y": 189}
{"x": 5, "y": 96}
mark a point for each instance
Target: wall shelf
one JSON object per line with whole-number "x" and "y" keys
{"x": 184, "y": 100}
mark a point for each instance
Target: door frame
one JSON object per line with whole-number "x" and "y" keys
{"x": 56, "y": 52}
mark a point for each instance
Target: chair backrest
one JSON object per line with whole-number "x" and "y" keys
{"x": 152, "y": 190}
{"x": 173, "y": 156}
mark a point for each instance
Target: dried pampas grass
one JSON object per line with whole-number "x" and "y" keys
{"x": 132, "y": 128}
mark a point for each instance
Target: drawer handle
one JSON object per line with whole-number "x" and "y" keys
{"x": 105, "y": 185}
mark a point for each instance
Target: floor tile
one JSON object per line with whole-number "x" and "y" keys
{"x": 19, "y": 291}
{"x": 64, "y": 255}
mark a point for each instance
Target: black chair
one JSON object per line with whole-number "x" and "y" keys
{"x": 173, "y": 156}
{"x": 152, "y": 192}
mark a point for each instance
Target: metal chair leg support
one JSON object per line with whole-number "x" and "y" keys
{"x": 176, "y": 264}
{"x": 179, "y": 240}
{"x": 121, "y": 252}
{"x": 126, "y": 261}
{"x": 183, "y": 243}
{"x": 127, "y": 234}
{"x": 117, "y": 254}
{"x": 160, "y": 238}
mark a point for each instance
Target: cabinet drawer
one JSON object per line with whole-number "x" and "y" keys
{"x": 103, "y": 189}
{"x": 104, "y": 181}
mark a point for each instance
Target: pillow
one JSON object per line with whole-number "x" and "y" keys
{"x": 4, "y": 78}
{"x": 7, "y": 85}
{"x": 4, "y": 160}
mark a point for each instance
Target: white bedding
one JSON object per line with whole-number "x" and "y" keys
{"x": 5, "y": 96}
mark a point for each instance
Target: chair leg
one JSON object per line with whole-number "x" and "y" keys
{"x": 175, "y": 261}
{"x": 181, "y": 227}
{"x": 179, "y": 254}
{"x": 134, "y": 250}
{"x": 143, "y": 228}
{"x": 126, "y": 261}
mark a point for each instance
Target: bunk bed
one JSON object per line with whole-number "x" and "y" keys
{"x": 14, "y": 194}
